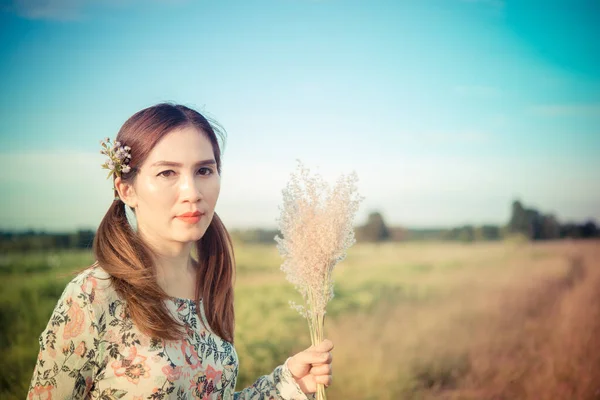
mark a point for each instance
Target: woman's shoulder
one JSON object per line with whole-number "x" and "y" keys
{"x": 93, "y": 285}
{"x": 92, "y": 275}
{"x": 93, "y": 272}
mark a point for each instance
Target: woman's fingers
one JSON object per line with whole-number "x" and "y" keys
{"x": 319, "y": 354}
{"x": 302, "y": 363}
{"x": 323, "y": 369}
{"x": 309, "y": 357}
{"x": 325, "y": 345}
{"x": 324, "y": 379}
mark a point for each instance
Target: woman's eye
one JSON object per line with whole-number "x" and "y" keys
{"x": 167, "y": 173}
{"x": 205, "y": 171}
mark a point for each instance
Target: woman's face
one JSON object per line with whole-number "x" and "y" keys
{"x": 176, "y": 188}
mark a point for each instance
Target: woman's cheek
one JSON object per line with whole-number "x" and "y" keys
{"x": 151, "y": 185}
{"x": 157, "y": 191}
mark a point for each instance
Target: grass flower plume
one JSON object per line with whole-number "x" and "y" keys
{"x": 316, "y": 226}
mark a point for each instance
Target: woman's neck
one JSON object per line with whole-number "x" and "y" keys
{"x": 175, "y": 269}
{"x": 176, "y": 275}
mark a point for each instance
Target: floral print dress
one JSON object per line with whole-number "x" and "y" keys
{"x": 91, "y": 349}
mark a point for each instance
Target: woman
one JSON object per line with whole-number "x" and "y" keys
{"x": 153, "y": 317}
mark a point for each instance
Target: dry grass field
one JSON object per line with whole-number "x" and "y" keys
{"x": 490, "y": 321}
{"x": 458, "y": 321}
{"x": 409, "y": 321}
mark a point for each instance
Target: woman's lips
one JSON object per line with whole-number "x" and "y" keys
{"x": 190, "y": 217}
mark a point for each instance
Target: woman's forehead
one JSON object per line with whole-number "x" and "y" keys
{"x": 186, "y": 145}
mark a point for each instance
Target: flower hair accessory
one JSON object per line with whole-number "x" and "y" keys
{"x": 118, "y": 157}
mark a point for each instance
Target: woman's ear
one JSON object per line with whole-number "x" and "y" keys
{"x": 126, "y": 192}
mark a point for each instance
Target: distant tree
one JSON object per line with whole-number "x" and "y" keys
{"x": 59, "y": 241}
{"x": 375, "y": 230}
{"x": 534, "y": 221}
{"x": 466, "y": 234}
{"x": 488, "y": 232}
{"x": 82, "y": 239}
{"x": 589, "y": 230}
{"x": 519, "y": 222}
{"x": 570, "y": 230}
{"x": 550, "y": 227}
{"x": 532, "y": 224}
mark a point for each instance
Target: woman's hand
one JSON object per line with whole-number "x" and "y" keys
{"x": 312, "y": 366}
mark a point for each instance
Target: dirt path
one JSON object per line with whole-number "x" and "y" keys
{"x": 546, "y": 345}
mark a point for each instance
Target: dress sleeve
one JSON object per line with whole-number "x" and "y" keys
{"x": 66, "y": 363}
{"x": 279, "y": 385}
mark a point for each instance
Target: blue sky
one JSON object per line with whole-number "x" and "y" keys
{"x": 446, "y": 109}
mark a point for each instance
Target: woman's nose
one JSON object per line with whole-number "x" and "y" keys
{"x": 190, "y": 189}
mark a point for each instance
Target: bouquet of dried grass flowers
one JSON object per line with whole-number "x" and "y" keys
{"x": 316, "y": 224}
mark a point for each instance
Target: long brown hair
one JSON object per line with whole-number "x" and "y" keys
{"x": 129, "y": 261}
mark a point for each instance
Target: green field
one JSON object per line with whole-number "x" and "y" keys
{"x": 409, "y": 321}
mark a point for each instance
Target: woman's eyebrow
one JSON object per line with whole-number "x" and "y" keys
{"x": 180, "y": 165}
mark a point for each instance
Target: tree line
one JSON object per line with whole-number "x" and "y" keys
{"x": 524, "y": 223}
{"x": 35, "y": 241}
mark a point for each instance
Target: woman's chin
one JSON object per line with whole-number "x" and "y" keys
{"x": 193, "y": 235}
